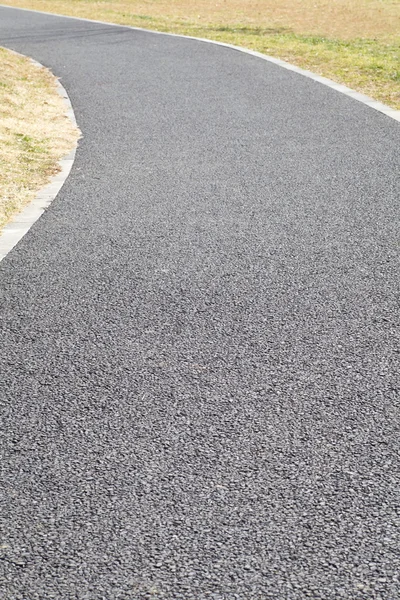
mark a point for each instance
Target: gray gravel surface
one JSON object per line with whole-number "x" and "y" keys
{"x": 198, "y": 338}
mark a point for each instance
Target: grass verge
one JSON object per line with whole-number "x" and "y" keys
{"x": 35, "y": 132}
{"x": 354, "y": 42}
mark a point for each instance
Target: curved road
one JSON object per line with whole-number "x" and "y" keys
{"x": 198, "y": 343}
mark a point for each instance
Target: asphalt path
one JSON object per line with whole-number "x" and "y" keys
{"x": 198, "y": 338}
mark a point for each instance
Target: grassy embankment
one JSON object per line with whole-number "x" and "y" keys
{"x": 34, "y": 131}
{"x": 355, "y": 42}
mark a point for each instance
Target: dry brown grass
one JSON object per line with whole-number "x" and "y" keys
{"x": 34, "y": 131}
{"x": 343, "y": 19}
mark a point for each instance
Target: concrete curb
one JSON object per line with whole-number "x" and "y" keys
{"x": 20, "y": 224}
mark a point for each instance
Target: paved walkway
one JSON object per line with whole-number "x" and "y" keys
{"x": 198, "y": 338}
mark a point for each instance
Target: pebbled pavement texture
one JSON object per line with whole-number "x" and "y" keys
{"x": 198, "y": 339}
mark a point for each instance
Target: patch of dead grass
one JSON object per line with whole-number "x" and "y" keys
{"x": 342, "y": 19}
{"x": 35, "y": 132}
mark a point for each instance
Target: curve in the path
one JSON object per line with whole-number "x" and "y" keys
{"x": 198, "y": 343}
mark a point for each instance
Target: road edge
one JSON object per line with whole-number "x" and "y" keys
{"x": 21, "y": 222}
{"x": 375, "y": 104}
